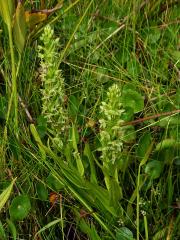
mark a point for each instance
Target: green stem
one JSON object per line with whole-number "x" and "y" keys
{"x": 146, "y": 228}
{"x": 144, "y": 160}
{"x": 137, "y": 207}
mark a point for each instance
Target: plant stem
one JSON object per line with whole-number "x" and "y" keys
{"x": 146, "y": 228}
{"x": 137, "y": 207}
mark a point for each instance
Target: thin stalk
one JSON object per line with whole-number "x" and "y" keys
{"x": 144, "y": 160}
{"x": 138, "y": 199}
{"x": 61, "y": 215}
{"x": 146, "y": 228}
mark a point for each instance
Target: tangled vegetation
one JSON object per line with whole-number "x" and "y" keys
{"x": 89, "y": 119}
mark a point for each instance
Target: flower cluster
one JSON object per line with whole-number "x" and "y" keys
{"x": 110, "y": 131}
{"x": 52, "y": 86}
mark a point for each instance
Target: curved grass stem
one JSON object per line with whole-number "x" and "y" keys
{"x": 14, "y": 97}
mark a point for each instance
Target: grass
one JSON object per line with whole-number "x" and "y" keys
{"x": 89, "y": 121}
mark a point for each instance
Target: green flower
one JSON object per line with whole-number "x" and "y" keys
{"x": 110, "y": 131}
{"x": 52, "y": 86}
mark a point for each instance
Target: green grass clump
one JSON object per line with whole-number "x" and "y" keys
{"x": 89, "y": 120}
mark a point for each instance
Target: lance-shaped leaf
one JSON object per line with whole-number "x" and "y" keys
{"x": 20, "y": 27}
{"x": 5, "y": 194}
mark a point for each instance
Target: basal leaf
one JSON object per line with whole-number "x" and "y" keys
{"x": 54, "y": 183}
{"x": 133, "y": 99}
{"x": 124, "y": 233}
{"x": 154, "y": 169}
{"x": 20, "y": 207}
{"x": 115, "y": 193}
{"x": 143, "y": 144}
{"x": 42, "y": 191}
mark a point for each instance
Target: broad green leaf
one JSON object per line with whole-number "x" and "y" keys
{"x": 19, "y": 27}
{"x": 154, "y": 169}
{"x": 42, "y": 191}
{"x": 54, "y": 183}
{"x": 133, "y": 99}
{"x": 143, "y": 145}
{"x": 6, "y": 194}
{"x": 124, "y": 233}
{"x": 128, "y": 114}
{"x": 7, "y": 11}
{"x": 20, "y": 207}
{"x": 115, "y": 192}
{"x": 12, "y": 229}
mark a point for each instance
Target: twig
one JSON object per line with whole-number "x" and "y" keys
{"x": 10, "y": 175}
{"x": 150, "y": 117}
{"x": 47, "y": 11}
{"x": 26, "y": 110}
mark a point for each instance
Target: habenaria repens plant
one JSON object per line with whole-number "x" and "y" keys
{"x": 52, "y": 86}
{"x": 111, "y": 138}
